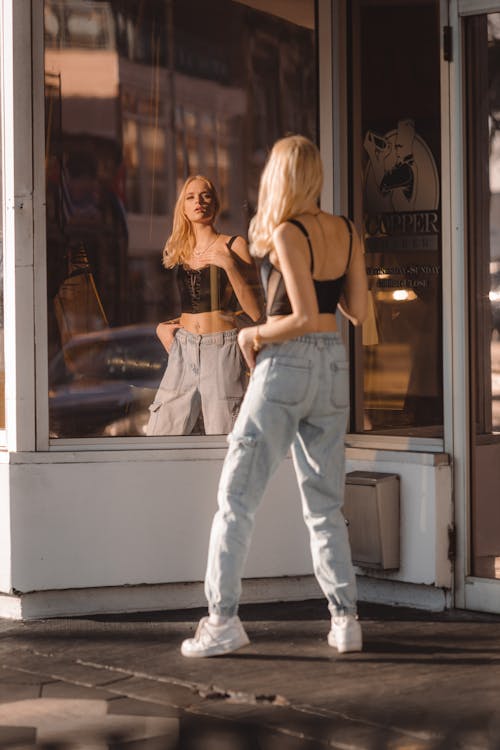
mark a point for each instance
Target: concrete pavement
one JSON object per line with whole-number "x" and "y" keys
{"x": 423, "y": 681}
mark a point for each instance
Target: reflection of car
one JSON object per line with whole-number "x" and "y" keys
{"x": 102, "y": 383}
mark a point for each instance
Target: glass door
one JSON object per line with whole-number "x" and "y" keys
{"x": 481, "y": 40}
{"x": 396, "y": 201}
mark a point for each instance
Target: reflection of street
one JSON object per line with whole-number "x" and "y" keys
{"x": 495, "y": 381}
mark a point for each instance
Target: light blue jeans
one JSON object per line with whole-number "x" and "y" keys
{"x": 204, "y": 373}
{"x": 298, "y": 396}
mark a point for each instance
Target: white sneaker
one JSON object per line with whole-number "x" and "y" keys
{"x": 214, "y": 640}
{"x": 345, "y": 634}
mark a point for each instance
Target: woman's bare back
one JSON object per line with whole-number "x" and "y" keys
{"x": 330, "y": 242}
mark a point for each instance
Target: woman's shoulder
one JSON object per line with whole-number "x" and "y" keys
{"x": 232, "y": 239}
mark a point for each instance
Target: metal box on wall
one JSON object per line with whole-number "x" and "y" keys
{"x": 371, "y": 508}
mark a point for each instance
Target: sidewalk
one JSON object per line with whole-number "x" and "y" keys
{"x": 423, "y": 681}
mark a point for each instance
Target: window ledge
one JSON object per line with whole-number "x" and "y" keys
{"x": 403, "y": 443}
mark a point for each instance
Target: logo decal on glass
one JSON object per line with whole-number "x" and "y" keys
{"x": 401, "y": 190}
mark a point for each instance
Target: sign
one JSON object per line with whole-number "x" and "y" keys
{"x": 401, "y": 193}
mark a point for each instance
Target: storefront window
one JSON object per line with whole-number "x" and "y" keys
{"x": 396, "y": 149}
{"x": 139, "y": 96}
{"x": 482, "y": 95}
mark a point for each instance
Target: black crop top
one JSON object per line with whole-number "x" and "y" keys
{"x": 206, "y": 289}
{"x": 327, "y": 292}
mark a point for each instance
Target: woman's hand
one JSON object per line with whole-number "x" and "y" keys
{"x": 245, "y": 341}
{"x": 217, "y": 255}
{"x": 166, "y": 333}
{"x": 240, "y": 270}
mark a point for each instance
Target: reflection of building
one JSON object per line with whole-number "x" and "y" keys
{"x": 134, "y": 102}
{"x": 156, "y": 105}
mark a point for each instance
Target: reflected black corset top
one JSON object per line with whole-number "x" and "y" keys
{"x": 206, "y": 289}
{"x": 328, "y": 292}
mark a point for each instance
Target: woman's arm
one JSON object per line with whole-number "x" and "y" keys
{"x": 166, "y": 332}
{"x": 242, "y": 276}
{"x": 354, "y": 299}
{"x": 293, "y": 259}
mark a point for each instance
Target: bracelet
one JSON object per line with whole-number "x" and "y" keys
{"x": 257, "y": 341}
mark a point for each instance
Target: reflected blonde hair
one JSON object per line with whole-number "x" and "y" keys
{"x": 180, "y": 244}
{"x": 292, "y": 179}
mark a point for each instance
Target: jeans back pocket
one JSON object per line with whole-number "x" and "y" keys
{"x": 287, "y": 380}
{"x": 340, "y": 384}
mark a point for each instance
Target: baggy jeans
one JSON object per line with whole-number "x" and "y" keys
{"x": 204, "y": 373}
{"x": 298, "y": 396}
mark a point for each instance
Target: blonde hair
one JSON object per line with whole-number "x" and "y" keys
{"x": 181, "y": 242}
{"x": 292, "y": 179}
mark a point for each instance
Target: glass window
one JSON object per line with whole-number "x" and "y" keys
{"x": 482, "y": 45}
{"x": 396, "y": 148}
{"x": 483, "y": 129}
{"x": 140, "y": 96}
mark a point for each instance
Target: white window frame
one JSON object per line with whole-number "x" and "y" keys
{"x": 17, "y": 137}
{"x": 333, "y": 126}
{"x": 3, "y": 431}
{"x": 340, "y": 205}
{"x": 210, "y": 444}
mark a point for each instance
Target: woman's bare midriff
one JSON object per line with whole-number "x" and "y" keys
{"x": 207, "y": 322}
{"x": 327, "y": 323}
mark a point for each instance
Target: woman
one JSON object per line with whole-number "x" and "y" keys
{"x": 297, "y": 396}
{"x": 205, "y": 371}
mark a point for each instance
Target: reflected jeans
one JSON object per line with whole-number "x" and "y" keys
{"x": 204, "y": 373}
{"x": 297, "y": 397}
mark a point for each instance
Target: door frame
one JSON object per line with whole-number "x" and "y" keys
{"x": 471, "y": 592}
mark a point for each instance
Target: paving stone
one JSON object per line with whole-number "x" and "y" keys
{"x": 16, "y": 685}
{"x": 134, "y": 707}
{"x": 59, "y": 689}
{"x": 421, "y": 678}
{"x": 85, "y": 722}
{"x": 164, "y": 693}
{"x": 53, "y": 666}
{"x": 8, "y": 676}
{"x": 15, "y": 736}
{"x": 13, "y": 692}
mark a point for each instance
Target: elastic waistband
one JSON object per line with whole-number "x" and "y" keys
{"x": 223, "y": 337}
{"x": 329, "y": 337}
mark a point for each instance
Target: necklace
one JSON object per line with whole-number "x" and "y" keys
{"x": 198, "y": 252}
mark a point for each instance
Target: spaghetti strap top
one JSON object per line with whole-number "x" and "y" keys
{"x": 328, "y": 291}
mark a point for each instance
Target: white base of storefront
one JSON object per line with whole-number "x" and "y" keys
{"x": 172, "y": 596}
{"x": 121, "y": 531}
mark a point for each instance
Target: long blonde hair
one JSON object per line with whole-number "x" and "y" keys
{"x": 181, "y": 242}
{"x": 292, "y": 178}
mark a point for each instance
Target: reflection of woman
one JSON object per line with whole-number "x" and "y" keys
{"x": 204, "y": 371}
{"x": 297, "y": 396}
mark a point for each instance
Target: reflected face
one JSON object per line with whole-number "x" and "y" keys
{"x": 199, "y": 202}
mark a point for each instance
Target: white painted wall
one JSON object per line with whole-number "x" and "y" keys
{"x": 426, "y": 513}
{"x": 5, "y": 549}
{"x": 128, "y": 518}
{"x": 133, "y": 521}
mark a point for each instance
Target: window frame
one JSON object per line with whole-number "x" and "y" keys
{"x": 186, "y": 443}
{"x": 470, "y": 592}
{"x": 18, "y": 210}
{"x": 3, "y": 430}
{"x": 333, "y": 114}
{"x": 402, "y": 442}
